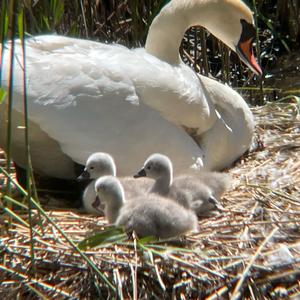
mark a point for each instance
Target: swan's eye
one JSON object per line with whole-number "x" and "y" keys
{"x": 91, "y": 168}
{"x": 148, "y": 168}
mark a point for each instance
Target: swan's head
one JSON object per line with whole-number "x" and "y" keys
{"x": 98, "y": 164}
{"x": 232, "y": 22}
{"x": 156, "y": 166}
{"x": 110, "y": 190}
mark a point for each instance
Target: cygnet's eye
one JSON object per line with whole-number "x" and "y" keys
{"x": 148, "y": 167}
{"x": 91, "y": 168}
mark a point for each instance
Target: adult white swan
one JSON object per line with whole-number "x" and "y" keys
{"x": 86, "y": 97}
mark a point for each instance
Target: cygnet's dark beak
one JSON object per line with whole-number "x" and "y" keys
{"x": 212, "y": 200}
{"x": 216, "y": 203}
{"x": 141, "y": 173}
{"x": 96, "y": 203}
{"x": 85, "y": 175}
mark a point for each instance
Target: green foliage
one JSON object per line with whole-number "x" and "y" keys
{"x": 49, "y": 220}
{"x": 3, "y": 21}
{"x": 104, "y": 238}
{"x": 45, "y": 15}
{"x": 2, "y": 95}
{"x": 276, "y": 34}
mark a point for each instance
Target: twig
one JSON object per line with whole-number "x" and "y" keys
{"x": 236, "y": 292}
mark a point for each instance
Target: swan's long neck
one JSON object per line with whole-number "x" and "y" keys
{"x": 163, "y": 184}
{"x": 113, "y": 205}
{"x": 112, "y": 211}
{"x": 167, "y": 29}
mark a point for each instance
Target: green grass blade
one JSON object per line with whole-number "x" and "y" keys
{"x": 21, "y": 30}
{"x": 15, "y": 202}
{"x": 15, "y": 216}
{"x": 258, "y": 52}
{"x": 21, "y": 24}
{"x": 12, "y": 14}
{"x": 104, "y": 238}
{"x": 3, "y": 34}
{"x": 2, "y": 95}
{"x": 18, "y": 219}
{"x": 68, "y": 239}
{"x": 57, "y": 8}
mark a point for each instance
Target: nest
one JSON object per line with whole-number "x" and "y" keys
{"x": 250, "y": 251}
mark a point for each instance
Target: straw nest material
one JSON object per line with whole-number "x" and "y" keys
{"x": 251, "y": 251}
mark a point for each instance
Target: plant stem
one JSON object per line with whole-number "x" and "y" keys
{"x": 10, "y": 90}
{"x": 27, "y": 146}
{"x": 261, "y": 102}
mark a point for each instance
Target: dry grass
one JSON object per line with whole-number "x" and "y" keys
{"x": 252, "y": 249}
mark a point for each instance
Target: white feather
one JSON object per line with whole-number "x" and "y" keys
{"x": 90, "y": 97}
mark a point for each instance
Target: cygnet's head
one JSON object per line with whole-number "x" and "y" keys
{"x": 110, "y": 190}
{"x": 98, "y": 164}
{"x": 156, "y": 166}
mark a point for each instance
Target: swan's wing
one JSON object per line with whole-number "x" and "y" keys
{"x": 176, "y": 92}
{"x": 232, "y": 132}
{"x": 86, "y": 97}
{"x": 101, "y": 69}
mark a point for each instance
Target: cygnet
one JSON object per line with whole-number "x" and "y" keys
{"x": 148, "y": 215}
{"x": 198, "y": 192}
{"x": 100, "y": 164}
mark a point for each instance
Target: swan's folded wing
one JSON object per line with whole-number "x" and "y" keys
{"x": 60, "y": 70}
{"x": 175, "y": 91}
{"x": 86, "y": 97}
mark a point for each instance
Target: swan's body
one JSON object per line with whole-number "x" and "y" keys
{"x": 198, "y": 192}
{"x": 101, "y": 164}
{"x": 146, "y": 215}
{"x": 85, "y": 96}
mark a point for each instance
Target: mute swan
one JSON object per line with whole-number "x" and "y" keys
{"x": 198, "y": 192}
{"x": 100, "y": 164}
{"x": 146, "y": 215}
{"x": 82, "y": 93}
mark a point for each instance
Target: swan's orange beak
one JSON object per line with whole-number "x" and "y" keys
{"x": 244, "y": 50}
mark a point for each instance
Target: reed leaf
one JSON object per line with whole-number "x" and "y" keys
{"x": 104, "y": 238}
{"x": 15, "y": 202}
{"x": 12, "y": 14}
{"x": 15, "y": 216}
{"x": 29, "y": 172}
{"x": 276, "y": 34}
{"x": 69, "y": 240}
{"x": 3, "y": 34}
{"x": 2, "y": 95}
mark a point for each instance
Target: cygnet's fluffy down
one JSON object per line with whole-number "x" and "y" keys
{"x": 147, "y": 215}
{"x": 218, "y": 182}
{"x": 198, "y": 192}
{"x": 100, "y": 164}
